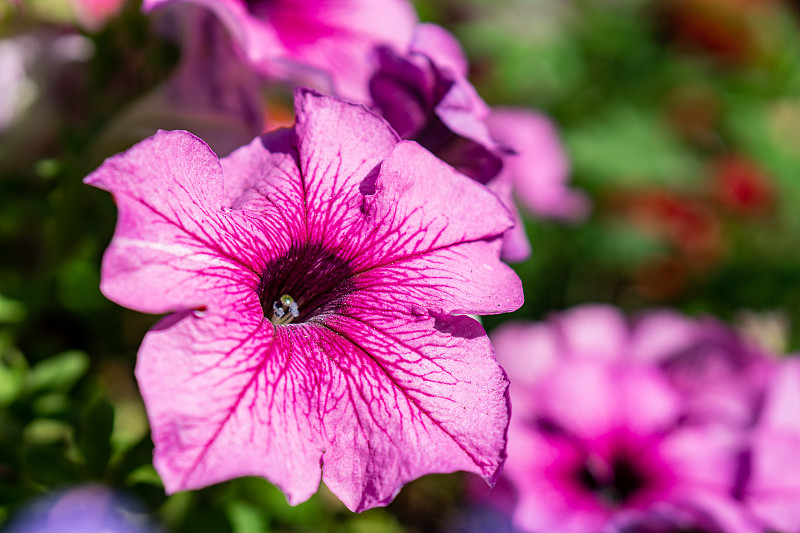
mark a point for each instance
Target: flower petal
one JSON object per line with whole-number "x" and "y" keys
{"x": 783, "y": 399}
{"x": 428, "y": 188}
{"x": 225, "y": 399}
{"x": 339, "y": 145}
{"x": 774, "y": 486}
{"x": 441, "y": 47}
{"x": 440, "y": 254}
{"x": 408, "y": 380}
{"x": 589, "y": 398}
{"x": 380, "y": 385}
{"x": 170, "y": 228}
{"x": 379, "y": 405}
{"x": 540, "y": 170}
{"x": 594, "y": 331}
{"x": 326, "y": 43}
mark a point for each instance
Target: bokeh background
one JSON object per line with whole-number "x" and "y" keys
{"x": 681, "y": 119}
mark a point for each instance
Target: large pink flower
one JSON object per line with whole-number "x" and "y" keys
{"x": 600, "y": 440}
{"x": 319, "y": 280}
{"x": 326, "y": 43}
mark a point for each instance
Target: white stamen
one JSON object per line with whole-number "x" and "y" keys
{"x": 281, "y": 306}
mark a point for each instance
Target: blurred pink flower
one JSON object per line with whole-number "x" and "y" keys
{"x": 536, "y": 172}
{"x": 773, "y": 487}
{"x": 93, "y": 14}
{"x": 540, "y": 170}
{"x": 599, "y": 438}
{"x": 322, "y": 43}
{"x": 319, "y": 281}
{"x": 720, "y": 373}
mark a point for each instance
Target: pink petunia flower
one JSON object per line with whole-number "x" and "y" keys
{"x": 424, "y": 94}
{"x": 324, "y": 43}
{"x": 772, "y": 489}
{"x": 319, "y": 282}
{"x": 535, "y": 174}
{"x": 721, "y": 374}
{"x": 538, "y": 170}
{"x": 599, "y": 439}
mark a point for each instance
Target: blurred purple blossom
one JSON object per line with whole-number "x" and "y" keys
{"x": 319, "y": 280}
{"x": 721, "y": 373}
{"x": 606, "y": 436}
{"x": 322, "y": 43}
{"x": 84, "y": 509}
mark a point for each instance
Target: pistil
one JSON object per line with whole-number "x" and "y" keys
{"x": 284, "y": 310}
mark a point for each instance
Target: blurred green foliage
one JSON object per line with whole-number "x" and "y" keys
{"x": 647, "y": 111}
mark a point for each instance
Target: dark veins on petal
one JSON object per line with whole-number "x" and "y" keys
{"x": 313, "y": 277}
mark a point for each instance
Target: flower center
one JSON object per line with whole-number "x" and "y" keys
{"x": 308, "y": 281}
{"x": 615, "y": 484}
{"x": 284, "y": 310}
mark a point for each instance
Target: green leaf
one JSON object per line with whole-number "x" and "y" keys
{"x": 79, "y": 286}
{"x": 139, "y": 455}
{"x": 205, "y": 518}
{"x": 12, "y": 375}
{"x": 44, "y": 431}
{"x": 246, "y": 518}
{"x": 94, "y": 436}
{"x": 374, "y": 520}
{"x": 59, "y": 372}
{"x": 11, "y": 311}
{"x": 55, "y": 405}
{"x": 628, "y": 146}
{"x": 49, "y": 465}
